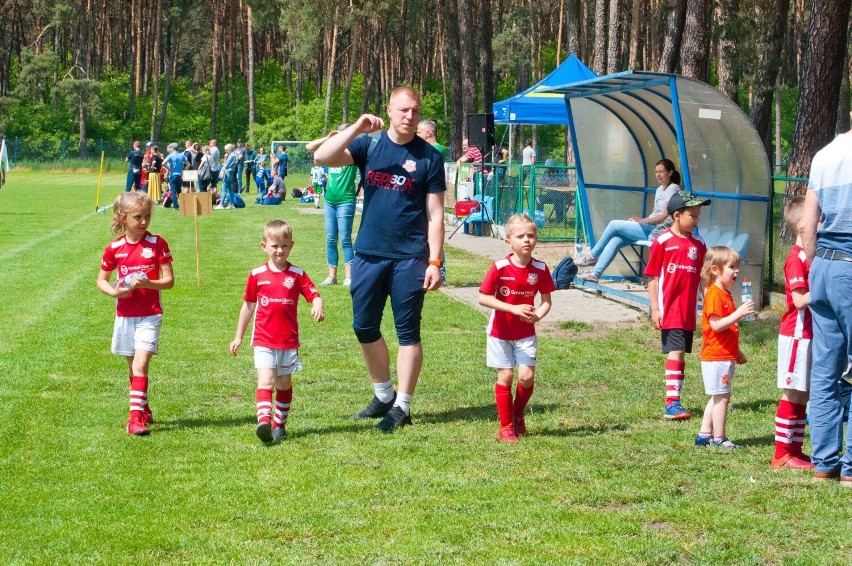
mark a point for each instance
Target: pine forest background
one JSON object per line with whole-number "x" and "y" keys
{"x": 272, "y": 70}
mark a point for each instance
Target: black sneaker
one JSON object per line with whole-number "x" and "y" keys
{"x": 279, "y": 433}
{"x": 264, "y": 432}
{"x": 395, "y": 419}
{"x": 375, "y": 409}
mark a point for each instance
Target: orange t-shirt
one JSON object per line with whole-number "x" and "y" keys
{"x": 723, "y": 345}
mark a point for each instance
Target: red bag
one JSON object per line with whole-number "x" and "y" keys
{"x": 465, "y": 207}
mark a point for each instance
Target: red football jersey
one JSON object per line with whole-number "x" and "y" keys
{"x": 276, "y": 294}
{"x": 795, "y": 322}
{"x": 516, "y": 286}
{"x": 145, "y": 256}
{"x": 677, "y": 262}
{"x": 718, "y": 346}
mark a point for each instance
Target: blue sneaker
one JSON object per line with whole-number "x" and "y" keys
{"x": 724, "y": 442}
{"x": 675, "y": 412}
{"x": 703, "y": 439}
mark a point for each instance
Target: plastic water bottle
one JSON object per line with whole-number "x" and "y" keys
{"x": 746, "y": 296}
{"x": 578, "y": 250}
{"x": 129, "y": 280}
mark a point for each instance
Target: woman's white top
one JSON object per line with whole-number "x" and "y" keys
{"x": 662, "y": 196}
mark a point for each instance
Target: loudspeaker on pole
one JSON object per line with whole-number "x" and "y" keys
{"x": 480, "y": 130}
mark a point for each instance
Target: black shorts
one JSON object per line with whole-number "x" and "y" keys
{"x": 677, "y": 339}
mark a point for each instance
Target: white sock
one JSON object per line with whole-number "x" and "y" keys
{"x": 384, "y": 391}
{"x": 403, "y": 401}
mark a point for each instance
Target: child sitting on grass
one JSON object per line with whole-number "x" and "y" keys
{"x": 794, "y": 351}
{"x": 275, "y": 286}
{"x": 720, "y": 352}
{"x": 510, "y": 287}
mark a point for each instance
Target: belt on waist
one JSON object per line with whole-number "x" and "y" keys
{"x": 833, "y": 255}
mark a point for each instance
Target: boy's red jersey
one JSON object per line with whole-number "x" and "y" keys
{"x": 718, "y": 346}
{"x": 276, "y": 294}
{"x": 145, "y": 256}
{"x": 677, "y": 262}
{"x": 516, "y": 286}
{"x": 795, "y": 322}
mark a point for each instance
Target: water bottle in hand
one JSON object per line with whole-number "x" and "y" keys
{"x": 746, "y": 296}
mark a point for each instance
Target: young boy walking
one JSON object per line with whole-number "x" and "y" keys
{"x": 674, "y": 272}
{"x": 509, "y": 288}
{"x": 794, "y": 351}
{"x": 275, "y": 286}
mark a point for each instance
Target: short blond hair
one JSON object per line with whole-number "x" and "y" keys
{"x": 517, "y": 219}
{"x": 793, "y": 212}
{"x": 124, "y": 204}
{"x": 277, "y": 231}
{"x": 718, "y": 256}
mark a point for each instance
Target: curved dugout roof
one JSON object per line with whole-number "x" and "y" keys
{"x": 622, "y": 124}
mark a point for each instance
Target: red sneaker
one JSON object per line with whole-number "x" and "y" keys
{"x": 147, "y": 415}
{"x": 136, "y": 425}
{"x": 507, "y": 434}
{"x": 520, "y": 425}
{"x": 789, "y": 461}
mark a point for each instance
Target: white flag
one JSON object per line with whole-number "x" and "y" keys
{"x": 4, "y": 156}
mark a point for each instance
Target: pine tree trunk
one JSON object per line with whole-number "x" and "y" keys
{"x": 819, "y": 86}
{"x": 637, "y": 35}
{"x": 695, "y": 44}
{"x": 573, "y": 15}
{"x": 453, "y": 68}
{"x": 250, "y": 70}
{"x": 155, "y": 71}
{"x": 675, "y": 13}
{"x": 773, "y": 17}
{"x": 328, "y": 82}
{"x": 468, "y": 60}
{"x": 616, "y": 30}
{"x": 347, "y": 89}
{"x": 599, "y": 64}
{"x": 843, "y": 98}
{"x": 728, "y": 38}
{"x": 486, "y": 56}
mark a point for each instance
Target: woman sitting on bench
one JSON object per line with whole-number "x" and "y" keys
{"x": 621, "y": 233}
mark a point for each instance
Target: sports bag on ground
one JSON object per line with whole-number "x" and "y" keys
{"x": 565, "y": 273}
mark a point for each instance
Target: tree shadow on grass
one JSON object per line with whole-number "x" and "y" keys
{"x": 768, "y": 440}
{"x": 166, "y": 425}
{"x": 582, "y": 430}
{"x": 756, "y": 405}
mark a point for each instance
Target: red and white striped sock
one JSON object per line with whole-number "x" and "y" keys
{"x": 503, "y": 397}
{"x": 522, "y": 397}
{"x": 789, "y": 430}
{"x": 283, "y": 399}
{"x": 138, "y": 393}
{"x": 263, "y": 398}
{"x": 800, "y": 419}
{"x": 674, "y": 380}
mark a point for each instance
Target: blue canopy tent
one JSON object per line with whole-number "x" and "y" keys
{"x": 622, "y": 124}
{"x": 534, "y": 106}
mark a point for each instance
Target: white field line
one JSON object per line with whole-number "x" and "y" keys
{"x": 50, "y": 235}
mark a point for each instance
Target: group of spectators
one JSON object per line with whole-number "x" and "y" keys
{"x": 148, "y": 170}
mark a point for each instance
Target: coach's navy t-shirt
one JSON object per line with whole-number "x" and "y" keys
{"x": 397, "y": 179}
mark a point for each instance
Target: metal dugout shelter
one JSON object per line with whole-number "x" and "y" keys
{"x": 622, "y": 124}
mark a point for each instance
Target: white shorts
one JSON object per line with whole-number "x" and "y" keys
{"x": 718, "y": 376}
{"x": 284, "y": 362}
{"x": 794, "y": 363}
{"x": 506, "y": 354}
{"x": 136, "y": 333}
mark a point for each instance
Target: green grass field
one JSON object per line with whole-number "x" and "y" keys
{"x": 602, "y": 478}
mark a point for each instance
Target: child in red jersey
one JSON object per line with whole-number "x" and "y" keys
{"x": 509, "y": 288}
{"x": 674, "y": 274}
{"x": 144, "y": 265}
{"x": 274, "y": 288}
{"x": 720, "y": 352}
{"x": 794, "y": 351}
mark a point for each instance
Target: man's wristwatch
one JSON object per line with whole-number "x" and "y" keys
{"x": 435, "y": 262}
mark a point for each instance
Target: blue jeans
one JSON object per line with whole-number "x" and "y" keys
{"x": 133, "y": 181}
{"x": 618, "y": 234}
{"x": 175, "y": 185}
{"x": 239, "y": 177}
{"x": 229, "y": 187}
{"x": 338, "y": 224}
{"x": 831, "y": 308}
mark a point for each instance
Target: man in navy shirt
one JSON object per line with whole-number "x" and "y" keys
{"x": 134, "y": 170}
{"x": 399, "y": 244}
{"x": 281, "y": 162}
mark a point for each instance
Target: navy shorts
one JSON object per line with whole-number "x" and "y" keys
{"x": 374, "y": 279}
{"x": 677, "y": 339}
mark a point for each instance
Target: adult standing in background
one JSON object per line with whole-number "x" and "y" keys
{"x": 240, "y": 153}
{"x": 175, "y": 162}
{"x": 189, "y": 161}
{"x": 204, "y": 172}
{"x": 399, "y": 244}
{"x": 249, "y": 165}
{"x": 827, "y": 239}
{"x": 339, "y": 212}
{"x": 153, "y": 165}
{"x": 134, "y": 168}
{"x": 215, "y": 164}
{"x": 281, "y": 162}
{"x": 428, "y": 130}
{"x": 528, "y": 154}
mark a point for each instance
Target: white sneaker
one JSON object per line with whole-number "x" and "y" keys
{"x": 230, "y": 206}
{"x": 347, "y": 282}
{"x": 218, "y": 207}
{"x": 586, "y": 260}
{"x": 590, "y": 277}
{"x": 328, "y": 281}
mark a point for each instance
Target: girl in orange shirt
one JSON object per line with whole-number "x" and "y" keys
{"x": 720, "y": 352}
